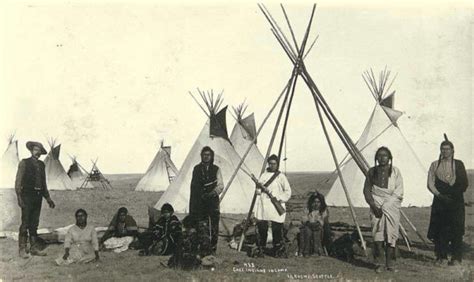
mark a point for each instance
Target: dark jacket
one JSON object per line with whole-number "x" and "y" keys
{"x": 31, "y": 178}
{"x": 204, "y": 197}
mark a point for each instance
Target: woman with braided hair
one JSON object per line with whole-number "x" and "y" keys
{"x": 383, "y": 191}
{"x": 447, "y": 180}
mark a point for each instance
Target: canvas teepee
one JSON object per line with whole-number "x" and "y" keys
{"x": 9, "y": 164}
{"x": 160, "y": 173}
{"x": 241, "y": 137}
{"x": 214, "y": 135}
{"x": 56, "y": 176}
{"x": 382, "y": 130}
{"x": 96, "y": 178}
{"x": 77, "y": 174}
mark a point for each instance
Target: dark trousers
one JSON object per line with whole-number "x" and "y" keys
{"x": 277, "y": 233}
{"x": 30, "y": 215}
{"x": 442, "y": 246}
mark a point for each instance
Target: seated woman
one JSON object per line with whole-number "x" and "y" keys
{"x": 164, "y": 236}
{"x": 81, "y": 244}
{"x": 121, "y": 232}
{"x": 315, "y": 233}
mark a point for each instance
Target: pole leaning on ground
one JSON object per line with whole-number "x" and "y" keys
{"x": 242, "y": 159}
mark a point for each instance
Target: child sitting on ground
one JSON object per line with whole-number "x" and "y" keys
{"x": 164, "y": 236}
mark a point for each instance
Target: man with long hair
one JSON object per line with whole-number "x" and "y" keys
{"x": 383, "y": 191}
{"x": 447, "y": 180}
{"x": 206, "y": 185}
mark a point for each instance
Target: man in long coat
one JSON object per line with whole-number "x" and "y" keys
{"x": 447, "y": 180}
{"x": 206, "y": 185}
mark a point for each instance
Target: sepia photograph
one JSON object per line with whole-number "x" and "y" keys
{"x": 236, "y": 140}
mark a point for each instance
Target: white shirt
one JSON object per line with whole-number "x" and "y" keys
{"x": 280, "y": 189}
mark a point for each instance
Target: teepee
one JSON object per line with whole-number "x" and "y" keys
{"x": 77, "y": 174}
{"x": 382, "y": 130}
{"x": 241, "y": 137}
{"x": 9, "y": 164}
{"x": 56, "y": 176}
{"x": 214, "y": 135}
{"x": 96, "y": 178}
{"x": 160, "y": 173}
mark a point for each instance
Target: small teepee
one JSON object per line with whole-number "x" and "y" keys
{"x": 241, "y": 137}
{"x": 96, "y": 178}
{"x": 382, "y": 130}
{"x": 77, "y": 174}
{"x": 160, "y": 173}
{"x": 214, "y": 135}
{"x": 56, "y": 176}
{"x": 9, "y": 164}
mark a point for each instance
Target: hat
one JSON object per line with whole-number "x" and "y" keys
{"x": 31, "y": 144}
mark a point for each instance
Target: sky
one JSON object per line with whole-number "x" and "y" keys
{"x": 111, "y": 79}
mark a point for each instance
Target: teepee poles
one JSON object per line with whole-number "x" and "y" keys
{"x": 413, "y": 227}
{"x": 343, "y": 183}
{"x": 325, "y": 131}
{"x": 250, "y": 145}
{"x": 290, "y": 92}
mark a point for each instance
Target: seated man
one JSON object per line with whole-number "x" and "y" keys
{"x": 121, "y": 232}
{"x": 164, "y": 236}
{"x": 315, "y": 232}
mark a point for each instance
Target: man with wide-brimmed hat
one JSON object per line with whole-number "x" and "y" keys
{"x": 30, "y": 187}
{"x": 447, "y": 180}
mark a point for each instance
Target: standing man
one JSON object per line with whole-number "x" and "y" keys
{"x": 30, "y": 187}
{"x": 447, "y": 180}
{"x": 383, "y": 191}
{"x": 206, "y": 185}
{"x": 271, "y": 182}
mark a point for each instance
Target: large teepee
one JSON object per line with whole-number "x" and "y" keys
{"x": 382, "y": 130}
{"x": 214, "y": 135}
{"x": 9, "y": 164}
{"x": 241, "y": 137}
{"x": 77, "y": 174}
{"x": 160, "y": 173}
{"x": 56, "y": 176}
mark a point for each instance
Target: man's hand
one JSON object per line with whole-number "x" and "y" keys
{"x": 21, "y": 204}
{"x": 50, "y": 203}
{"x": 377, "y": 211}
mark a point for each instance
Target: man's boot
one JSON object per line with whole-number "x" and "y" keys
{"x": 22, "y": 242}
{"x": 34, "y": 248}
{"x": 389, "y": 259}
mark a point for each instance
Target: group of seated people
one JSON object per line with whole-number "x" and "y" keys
{"x": 187, "y": 241}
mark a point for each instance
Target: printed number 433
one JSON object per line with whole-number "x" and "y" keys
{"x": 249, "y": 264}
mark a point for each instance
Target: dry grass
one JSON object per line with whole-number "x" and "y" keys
{"x": 101, "y": 205}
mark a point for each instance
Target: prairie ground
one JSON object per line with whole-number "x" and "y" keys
{"x": 128, "y": 266}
